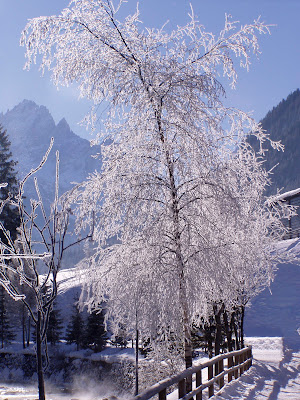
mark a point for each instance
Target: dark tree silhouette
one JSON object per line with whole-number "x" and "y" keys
{"x": 9, "y": 215}
{"x": 55, "y": 326}
{"x": 96, "y": 335}
{"x": 76, "y": 330}
{"x": 6, "y": 330}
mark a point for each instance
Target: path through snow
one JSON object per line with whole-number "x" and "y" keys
{"x": 275, "y": 374}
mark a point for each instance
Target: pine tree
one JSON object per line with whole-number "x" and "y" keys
{"x": 6, "y": 332}
{"x": 75, "y": 329}
{"x": 9, "y": 216}
{"x": 96, "y": 335}
{"x": 55, "y": 327}
{"x": 10, "y": 219}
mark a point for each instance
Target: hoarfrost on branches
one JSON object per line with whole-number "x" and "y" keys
{"x": 181, "y": 218}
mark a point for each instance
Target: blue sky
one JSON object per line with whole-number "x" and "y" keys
{"x": 271, "y": 78}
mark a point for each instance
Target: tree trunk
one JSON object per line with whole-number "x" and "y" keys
{"x": 23, "y": 326}
{"x": 177, "y": 242}
{"x": 136, "y": 362}
{"x": 235, "y": 329}
{"x": 188, "y": 352}
{"x": 28, "y": 330}
{"x": 210, "y": 346}
{"x": 187, "y": 332}
{"x": 2, "y": 334}
{"x": 218, "y": 337}
{"x": 242, "y": 326}
{"x": 39, "y": 359}
{"x": 228, "y": 331}
{"x": 2, "y": 318}
{"x": 188, "y": 355}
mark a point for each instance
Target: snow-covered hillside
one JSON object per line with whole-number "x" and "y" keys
{"x": 276, "y": 311}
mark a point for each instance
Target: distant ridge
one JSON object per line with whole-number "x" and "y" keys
{"x": 283, "y": 123}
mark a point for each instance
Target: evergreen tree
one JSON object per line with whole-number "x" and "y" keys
{"x": 9, "y": 216}
{"x": 55, "y": 327}
{"x": 6, "y": 331}
{"x": 75, "y": 329}
{"x": 96, "y": 335}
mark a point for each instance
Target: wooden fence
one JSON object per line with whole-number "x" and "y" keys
{"x": 237, "y": 362}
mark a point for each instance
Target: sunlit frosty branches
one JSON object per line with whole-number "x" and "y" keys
{"x": 130, "y": 65}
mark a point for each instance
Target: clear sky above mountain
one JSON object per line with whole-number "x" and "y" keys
{"x": 270, "y": 79}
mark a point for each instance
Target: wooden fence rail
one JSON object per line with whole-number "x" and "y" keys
{"x": 238, "y": 362}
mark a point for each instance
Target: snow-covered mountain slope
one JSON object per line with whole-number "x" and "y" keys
{"x": 30, "y": 128}
{"x": 276, "y": 310}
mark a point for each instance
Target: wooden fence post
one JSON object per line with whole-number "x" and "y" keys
{"x": 210, "y": 376}
{"x": 236, "y": 362}
{"x": 251, "y": 356}
{"x": 242, "y": 359}
{"x": 162, "y": 395}
{"x": 199, "y": 383}
{"x": 229, "y": 365}
{"x": 216, "y": 369}
{"x": 221, "y": 369}
{"x": 181, "y": 388}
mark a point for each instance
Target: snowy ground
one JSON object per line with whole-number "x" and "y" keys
{"x": 21, "y": 392}
{"x": 275, "y": 374}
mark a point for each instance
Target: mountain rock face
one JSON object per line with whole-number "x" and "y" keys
{"x": 30, "y": 128}
{"x": 283, "y": 123}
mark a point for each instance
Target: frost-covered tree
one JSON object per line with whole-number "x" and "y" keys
{"x": 173, "y": 199}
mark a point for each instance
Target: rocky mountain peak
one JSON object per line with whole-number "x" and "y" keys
{"x": 30, "y": 128}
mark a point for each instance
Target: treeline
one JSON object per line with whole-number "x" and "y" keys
{"x": 86, "y": 331}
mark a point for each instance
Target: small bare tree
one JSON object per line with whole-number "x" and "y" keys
{"x": 31, "y": 262}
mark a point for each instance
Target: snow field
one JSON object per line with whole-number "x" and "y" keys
{"x": 275, "y": 374}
